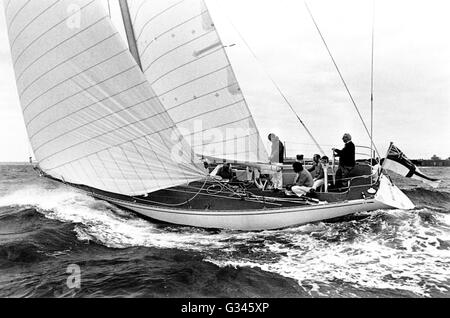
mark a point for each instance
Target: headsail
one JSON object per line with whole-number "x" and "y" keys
{"x": 186, "y": 64}
{"x": 91, "y": 115}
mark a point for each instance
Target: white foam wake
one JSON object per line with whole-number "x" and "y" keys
{"x": 102, "y": 222}
{"x": 404, "y": 257}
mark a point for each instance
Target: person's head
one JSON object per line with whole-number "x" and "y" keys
{"x": 325, "y": 160}
{"x": 347, "y": 138}
{"x": 272, "y": 137}
{"x": 298, "y": 167}
{"x": 316, "y": 158}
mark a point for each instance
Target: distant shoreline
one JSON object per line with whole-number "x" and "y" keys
{"x": 15, "y": 164}
{"x": 431, "y": 163}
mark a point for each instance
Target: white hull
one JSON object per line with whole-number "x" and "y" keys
{"x": 255, "y": 220}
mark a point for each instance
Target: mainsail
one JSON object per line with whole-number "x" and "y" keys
{"x": 186, "y": 64}
{"x": 91, "y": 115}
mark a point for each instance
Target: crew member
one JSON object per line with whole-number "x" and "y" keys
{"x": 346, "y": 159}
{"x": 277, "y": 158}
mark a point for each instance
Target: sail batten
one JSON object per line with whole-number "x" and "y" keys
{"x": 185, "y": 62}
{"x": 91, "y": 115}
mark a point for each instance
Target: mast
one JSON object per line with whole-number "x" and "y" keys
{"x": 131, "y": 37}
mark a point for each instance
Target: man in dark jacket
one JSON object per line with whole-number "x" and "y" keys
{"x": 347, "y": 159}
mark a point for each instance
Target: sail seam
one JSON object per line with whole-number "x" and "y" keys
{"x": 200, "y": 97}
{"x": 31, "y": 22}
{"x": 171, "y": 29}
{"x": 73, "y": 76}
{"x": 138, "y": 10}
{"x": 225, "y": 141}
{"x": 212, "y": 111}
{"x": 107, "y": 171}
{"x": 155, "y": 97}
{"x": 156, "y": 16}
{"x": 126, "y": 109}
{"x": 100, "y": 101}
{"x": 51, "y": 69}
{"x": 115, "y": 162}
{"x": 157, "y": 156}
{"x": 86, "y": 107}
{"x": 162, "y": 75}
{"x": 83, "y": 90}
{"x": 95, "y": 172}
{"x": 183, "y": 65}
{"x": 245, "y": 101}
{"x": 58, "y": 45}
{"x": 102, "y": 135}
{"x": 16, "y": 14}
{"x": 146, "y": 163}
{"x": 195, "y": 79}
{"x": 120, "y": 144}
{"x": 80, "y": 168}
{"x": 176, "y": 48}
{"x": 134, "y": 168}
{"x": 46, "y": 32}
{"x": 116, "y": 128}
{"x": 229, "y": 123}
{"x": 7, "y": 8}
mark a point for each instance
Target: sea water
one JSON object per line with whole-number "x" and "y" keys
{"x": 48, "y": 229}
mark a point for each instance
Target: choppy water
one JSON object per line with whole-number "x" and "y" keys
{"x": 45, "y": 227}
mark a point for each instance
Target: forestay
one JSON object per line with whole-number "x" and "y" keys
{"x": 186, "y": 64}
{"x": 91, "y": 115}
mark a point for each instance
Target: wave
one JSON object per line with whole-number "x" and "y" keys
{"x": 391, "y": 250}
{"x": 26, "y": 236}
{"x": 422, "y": 197}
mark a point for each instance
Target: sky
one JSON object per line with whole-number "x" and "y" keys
{"x": 411, "y": 73}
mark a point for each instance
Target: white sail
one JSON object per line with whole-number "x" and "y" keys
{"x": 91, "y": 115}
{"x": 186, "y": 64}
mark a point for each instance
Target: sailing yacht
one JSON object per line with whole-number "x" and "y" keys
{"x": 145, "y": 122}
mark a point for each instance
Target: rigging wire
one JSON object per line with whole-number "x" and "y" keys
{"x": 372, "y": 81}
{"x": 283, "y": 95}
{"x": 342, "y": 78}
{"x": 109, "y": 8}
{"x": 177, "y": 204}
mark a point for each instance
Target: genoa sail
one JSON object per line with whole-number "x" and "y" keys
{"x": 91, "y": 115}
{"x": 186, "y": 64}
